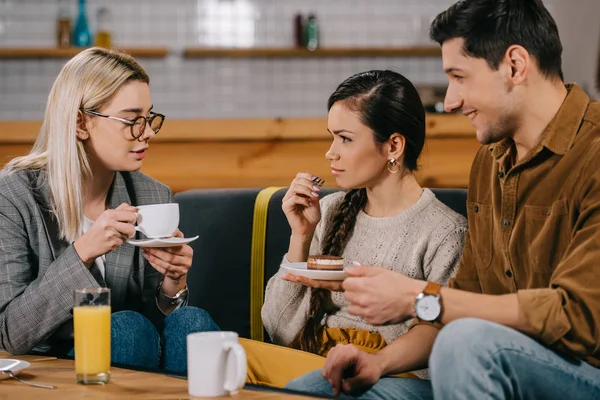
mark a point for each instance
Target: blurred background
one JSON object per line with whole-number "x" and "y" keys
{"x": 225, "y": 71}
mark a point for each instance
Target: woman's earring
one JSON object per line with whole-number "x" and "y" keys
{"x": 393, "y": 166}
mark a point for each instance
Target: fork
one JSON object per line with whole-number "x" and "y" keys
{"x": 318, "y": 181}
{"x": 39, "y": 385}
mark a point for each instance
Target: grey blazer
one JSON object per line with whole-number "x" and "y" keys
{"x": 39, "y": 272}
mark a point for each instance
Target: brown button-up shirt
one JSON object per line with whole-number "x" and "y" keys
{"x": 534, "y": 228}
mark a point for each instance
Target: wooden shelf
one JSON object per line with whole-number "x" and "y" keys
{"x": 267, "y": 52}
{"x": 206, "y": 52}
{"x": 49, "y": 52}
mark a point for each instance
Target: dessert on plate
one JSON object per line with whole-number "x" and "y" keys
{"x": 327, "y": 263}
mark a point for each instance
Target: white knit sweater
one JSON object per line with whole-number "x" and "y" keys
{"x": 424, "y": 242}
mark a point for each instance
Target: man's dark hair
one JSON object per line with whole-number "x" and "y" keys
{"x": 490, "y": 27}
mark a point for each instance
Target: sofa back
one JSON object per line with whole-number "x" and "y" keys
{"x": 219, "y": 280}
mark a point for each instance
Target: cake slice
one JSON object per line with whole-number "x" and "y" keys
{"x": 328, "y": 263}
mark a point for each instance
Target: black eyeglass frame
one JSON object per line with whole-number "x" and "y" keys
{"x": 132, "y": 122}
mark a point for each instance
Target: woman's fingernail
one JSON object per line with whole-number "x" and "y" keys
{"x": 316, "y": 188}
{"x": 356, "y": 263}
{"x": 315, "y": 194}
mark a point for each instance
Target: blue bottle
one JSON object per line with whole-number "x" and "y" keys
{"x": 82, "y": 37}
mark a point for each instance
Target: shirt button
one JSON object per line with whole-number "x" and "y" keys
{"x": 509, "y": 273}
{"x": 506, "y": 223}
{"x": 500, "y": 175}
{"x": 476, "y": 209}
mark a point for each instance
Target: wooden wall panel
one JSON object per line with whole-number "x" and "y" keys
{"x": 184, "y": 162}
{"x": 229, "y": 164}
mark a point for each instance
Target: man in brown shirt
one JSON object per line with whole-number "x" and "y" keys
{"x": 522, "y": 317}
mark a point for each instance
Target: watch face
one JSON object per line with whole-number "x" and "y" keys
{"x": 428, "y": 308}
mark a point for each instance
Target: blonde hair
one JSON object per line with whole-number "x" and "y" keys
{"x": 88, "y": 81}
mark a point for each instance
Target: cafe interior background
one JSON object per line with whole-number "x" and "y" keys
{"x": 244, "y": 94}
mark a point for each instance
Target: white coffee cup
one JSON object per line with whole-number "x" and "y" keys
{"x": 216, "y": 364}
{"x": 158, "y": 220}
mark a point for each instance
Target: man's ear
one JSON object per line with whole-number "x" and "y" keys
{"x": 82, "y": 127}
{"x": 396, "y": 145}
{"x": 519, "y": 61}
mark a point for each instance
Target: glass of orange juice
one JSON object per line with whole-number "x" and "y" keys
{"x": 91, "y": 320}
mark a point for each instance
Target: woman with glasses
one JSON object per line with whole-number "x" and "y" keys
{"x": 67, "y": 210}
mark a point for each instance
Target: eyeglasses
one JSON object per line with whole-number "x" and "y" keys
{"x": 137, "y": 125}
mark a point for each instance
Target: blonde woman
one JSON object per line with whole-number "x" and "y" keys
{"x": 67, "y": 209}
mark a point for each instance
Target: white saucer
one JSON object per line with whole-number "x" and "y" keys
{"x": 14, "y": 365}
{"x": 161, "y": 242}
{"x": 300, "y": 269}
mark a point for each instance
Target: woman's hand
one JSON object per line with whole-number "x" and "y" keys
{"x": 301, "y": 205}
{"x": 349, "y": 369}
{"x": 109, "y": 231}
{"x": 334, "y": 286}
{"x": 173, "y": 262}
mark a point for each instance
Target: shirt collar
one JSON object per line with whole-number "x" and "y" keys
{"x": 560, "y": 133}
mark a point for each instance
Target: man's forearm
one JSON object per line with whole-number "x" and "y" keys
{"x": 502, "y": 309}
{"x": 409, "y": 352}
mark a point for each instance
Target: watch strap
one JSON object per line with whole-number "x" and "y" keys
{"x": 432, "y": 289}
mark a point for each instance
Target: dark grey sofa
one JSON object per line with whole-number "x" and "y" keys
{"x": 219, "y": 279}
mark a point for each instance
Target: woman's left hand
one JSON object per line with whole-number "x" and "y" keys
{"x": 173, "y": 262}
{"x": 334, "y": 286}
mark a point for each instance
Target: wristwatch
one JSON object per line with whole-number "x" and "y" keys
{"x": 179, "y": 298}
{"x": 428, "y": 306}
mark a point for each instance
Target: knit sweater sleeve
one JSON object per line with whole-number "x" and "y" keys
{"x": 444, "y": 263}
{"x": 285, "y": 310}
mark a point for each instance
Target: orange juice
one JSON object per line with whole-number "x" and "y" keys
{"x": 92, "y": 340}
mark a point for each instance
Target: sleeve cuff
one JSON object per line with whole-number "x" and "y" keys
{"x": 177, "y": 307}
{"x": 543, "y": 311}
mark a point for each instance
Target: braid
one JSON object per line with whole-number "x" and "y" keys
{"x": 339, "y": 230}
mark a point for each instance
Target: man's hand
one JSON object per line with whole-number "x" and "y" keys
{"x": 349, "y": 369}
{"x": 380, "y": 296}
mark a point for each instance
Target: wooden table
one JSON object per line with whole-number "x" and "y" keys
{"x": 124, "y": 384}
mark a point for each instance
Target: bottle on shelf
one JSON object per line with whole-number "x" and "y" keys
{"x": 82, "y": 37}
{"x": 103, "y": 35}
{"x": 299, "y": 30}
{"x": 63, "y": 24}
{"x": 312, "y": 32}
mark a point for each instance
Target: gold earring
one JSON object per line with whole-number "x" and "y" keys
{"x": 391, "y": 164}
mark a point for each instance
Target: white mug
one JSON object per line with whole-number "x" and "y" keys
{"x": 216, "y": 364}
{"x": 157, "y": 220}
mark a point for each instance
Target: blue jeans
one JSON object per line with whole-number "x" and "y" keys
{"x": 477, "y": 359}
{"x": 386, "y": 388}
{"x": 136, "y": 342}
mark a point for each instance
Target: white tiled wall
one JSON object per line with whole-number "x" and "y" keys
{"x": 224, "y": 88}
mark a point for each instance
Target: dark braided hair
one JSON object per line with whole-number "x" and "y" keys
{"x": 388, "y": 103}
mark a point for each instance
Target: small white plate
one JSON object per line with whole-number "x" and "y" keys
{"x": 164, "y": 242}
{"x": 11, "y": 364}
{"x": 301, "y": 269}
